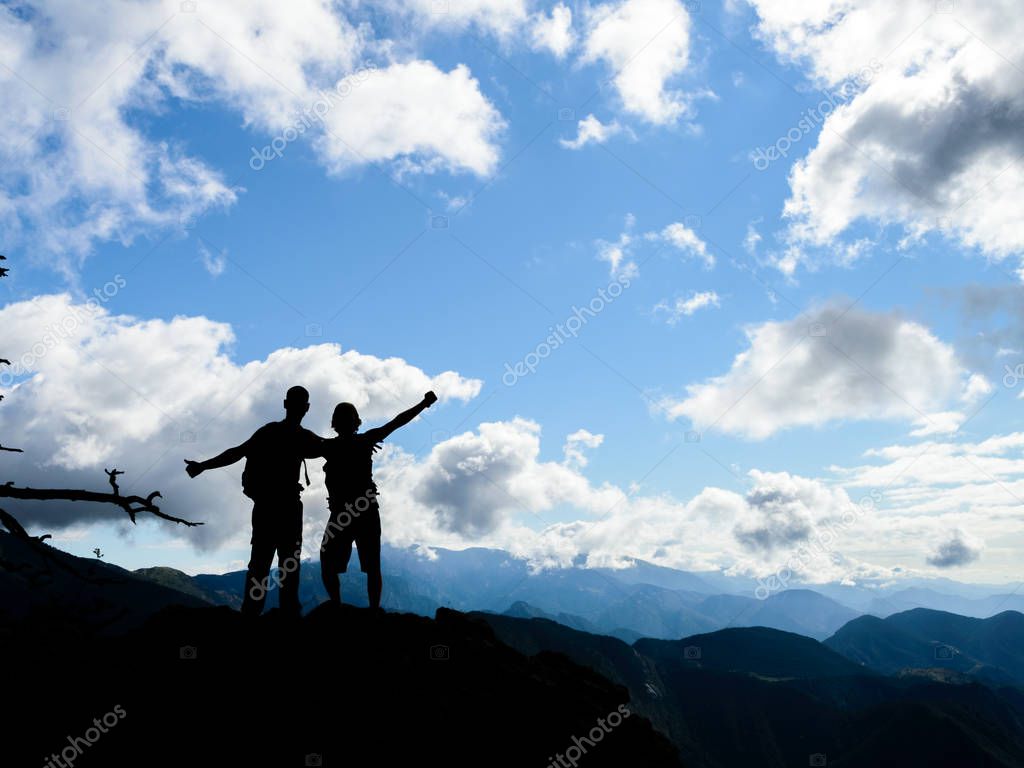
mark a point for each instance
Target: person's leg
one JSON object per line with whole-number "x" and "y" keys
{"x": 289, "y": 554}
{"x": 256, "y": 578}
{"x": 334, "y": 556}
{"x": 329, "y": 551}
{"x": 332, "y": 583}
{"x": 329, "y": 567}
{"x": 368, "y": 542}
{"x": 374, "y": 586}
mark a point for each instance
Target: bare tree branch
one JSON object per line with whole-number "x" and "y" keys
{"x": 12, "y": 525}
{"x": 132, "y": 505}
{"x": 12, "y": 450}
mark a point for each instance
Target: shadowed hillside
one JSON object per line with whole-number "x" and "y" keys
{"x": 758, "y": 651}
{"x": 990, "y": 649}
{"x": 45, "y": 587}
{"x": 757, "y": 696}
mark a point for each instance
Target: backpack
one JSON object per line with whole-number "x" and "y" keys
{"x": 272, "y": 462}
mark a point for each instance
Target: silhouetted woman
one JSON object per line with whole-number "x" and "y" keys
{"x": 352, "y": 498}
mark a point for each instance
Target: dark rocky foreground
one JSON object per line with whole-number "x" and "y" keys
{"x": 206, "y": 687}
{"x": 173, "y": 680}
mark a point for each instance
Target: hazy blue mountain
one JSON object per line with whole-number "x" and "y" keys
{"x": 581, "y": 591}
{"x": 793, "y": 610}
{"x": 856, "y": 597}
{"x": 884, "y": 598}
{"x": 654, "y": 612}
{"x": 596, "y": 599}
{"x": 493, "y": 579}
{"x": 521, "y": 610}
{"x": 803, "y": 611}
{"x": 476, "y": 577}
{"x": 921, "y": 597}
{"x": 640, "y": 600}
{"x": 642, "y": 572}
{"x": 946, "y": 586}
{"x": 722, "y": 584}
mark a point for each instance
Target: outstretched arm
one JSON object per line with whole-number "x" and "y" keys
{"x": 402, "y": 419}
{"x": 230, "y": 456}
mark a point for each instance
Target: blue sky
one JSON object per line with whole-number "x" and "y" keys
{"x": 303, "y": 253}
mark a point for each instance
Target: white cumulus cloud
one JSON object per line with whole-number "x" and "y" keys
{"x": 646, "y": 44}
{"x": 79, "y": 164}
{"x": 553, "y": 32}
{"x": 826, "y": 365}
{"x": 929, "y": 139}
{"x": 417, "y": 112}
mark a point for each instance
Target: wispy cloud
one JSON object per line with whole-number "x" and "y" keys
{"x": 214, "y": 263}
{"x": 676, "y": 310}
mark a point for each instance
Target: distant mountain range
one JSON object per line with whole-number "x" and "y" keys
{"x": 641, "y": 600}
{"x": 916, "y": 688}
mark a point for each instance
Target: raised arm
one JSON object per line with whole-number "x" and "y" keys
{"x": 402, "y": 419}
{"x": 228, "y": 457}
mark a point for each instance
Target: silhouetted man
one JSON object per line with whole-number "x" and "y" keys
{"x": 352, "y": 498}
{"x": 273, "y": 456}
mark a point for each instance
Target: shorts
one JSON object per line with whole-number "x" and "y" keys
{"x": 348, "y": 525}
